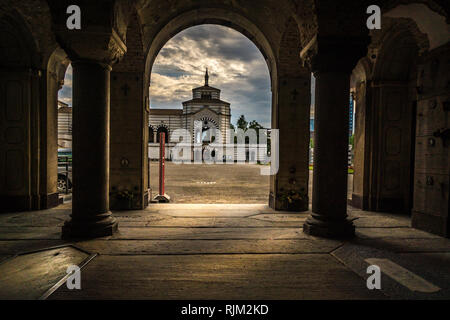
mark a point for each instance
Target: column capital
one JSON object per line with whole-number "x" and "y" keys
{"x": 334, "y": 53}
{"x": 102, "y": 31}
{"x": 101, "y": 47}
{"x": 99, "y": 63}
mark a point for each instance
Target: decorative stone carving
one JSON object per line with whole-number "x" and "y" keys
{"x": 106, "y": 48}
{"x": 116, "y": 47}
{"x": 100, "y": 36}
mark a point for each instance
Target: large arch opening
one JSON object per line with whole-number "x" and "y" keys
{"x": 290, "y": 103}
{"x": 64, "y": 133}
{"x": 235, "y": 92}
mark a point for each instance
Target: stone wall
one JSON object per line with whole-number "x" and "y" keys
{"x": 432, "y": 179}
{"x": 129, "y": 123}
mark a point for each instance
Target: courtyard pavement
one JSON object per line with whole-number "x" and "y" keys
{"x": 232, "y": 246}
{"x": 217, "y": 251}
{"x": 218, "y": 183}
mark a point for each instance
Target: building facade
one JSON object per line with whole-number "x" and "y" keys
{"x": 64, "y": 125}
{"x": 205, "y": 107}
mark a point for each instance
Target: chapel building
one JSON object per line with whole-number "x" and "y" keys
{"x": 205, "y": 107}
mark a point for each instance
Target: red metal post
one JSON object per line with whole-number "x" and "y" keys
{"x": 162, "y": 147}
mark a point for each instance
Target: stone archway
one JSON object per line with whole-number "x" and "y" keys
{"x": 204, "y": 135}
{"x": 218, "y": 16}
{"x": 151, "y": 134}
{"x": 385, "y": 85}
{"x": 162, "y": 129}
{"x": 19, "y": 120}
{"x": 294, "y": 78}
{"x": 32, "y": 69}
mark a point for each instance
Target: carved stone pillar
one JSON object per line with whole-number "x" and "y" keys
{"x": 129, "y": 139}
{"x": 292, "y": 119}
{"x": 92, "y": 53}
{"x": 50, "y": 85}
{"x": 129, "y": 125}
{"x": 90, "y": 210}
{"x": 332, "y": 61}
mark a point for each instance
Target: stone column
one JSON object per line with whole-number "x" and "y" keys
{"x": 155, "y": 134}
{"x": 91, "y": 110}
{"x": 93, "y": 50}
{"x": 329, "y": 199}
{"x": 332, "y": 63}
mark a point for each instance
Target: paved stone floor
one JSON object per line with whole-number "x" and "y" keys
{"x": 215, "y": 183}
{"x": 235, "y": 251}
{"x": 204, "y": 183}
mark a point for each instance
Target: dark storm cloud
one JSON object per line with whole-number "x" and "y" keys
{"x": 221, "y": 42}
{"x": 236, "y": 66}
{"x": 169, "y": 70}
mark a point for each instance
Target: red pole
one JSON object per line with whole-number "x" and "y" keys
{"x": 162, "y": 147}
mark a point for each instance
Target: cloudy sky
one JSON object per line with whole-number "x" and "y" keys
{"x": 65, "y": 94}
{"x": 235, "y": 65}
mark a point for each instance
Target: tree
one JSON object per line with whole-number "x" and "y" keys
{"x": 242, "y": 123}
{"x": 255, "y": 125}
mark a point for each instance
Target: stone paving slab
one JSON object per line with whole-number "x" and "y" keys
{"x": 221, "y": 223}
{"x": 209, "y": 233}
{"x": 11, "y": 247}
{"x": 305, "y": 276}
{"x": 24, "y": 233}
{"x": 138, "y": 220}
{"x": 435, "y": 267}
{"x": 29, "y": 276}
{"x": 172, "y": 247}
{"x": 380, "y": 221}
{"x": 202, "y": 209}
{"x": 46, "y": 218}
{"x": 282, "y": 217}
{"x": 403, "y": 233}
{"x": 406, "y": 245}
{"x": 238, "y": 183}
{"x": 432, "y": 267}
{"x": 177, "y": 232}
{"x": 139, "y": 215}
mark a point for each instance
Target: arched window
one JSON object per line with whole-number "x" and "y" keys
{"x": 162, "y": 129}
{"x": 150, "y": 135}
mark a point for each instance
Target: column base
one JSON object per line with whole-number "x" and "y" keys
{"x": 337, "y": 229}
{"x": 162, "y": 198}
{"x": 100, "y": 226}
{"x": 49, "y": 200}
